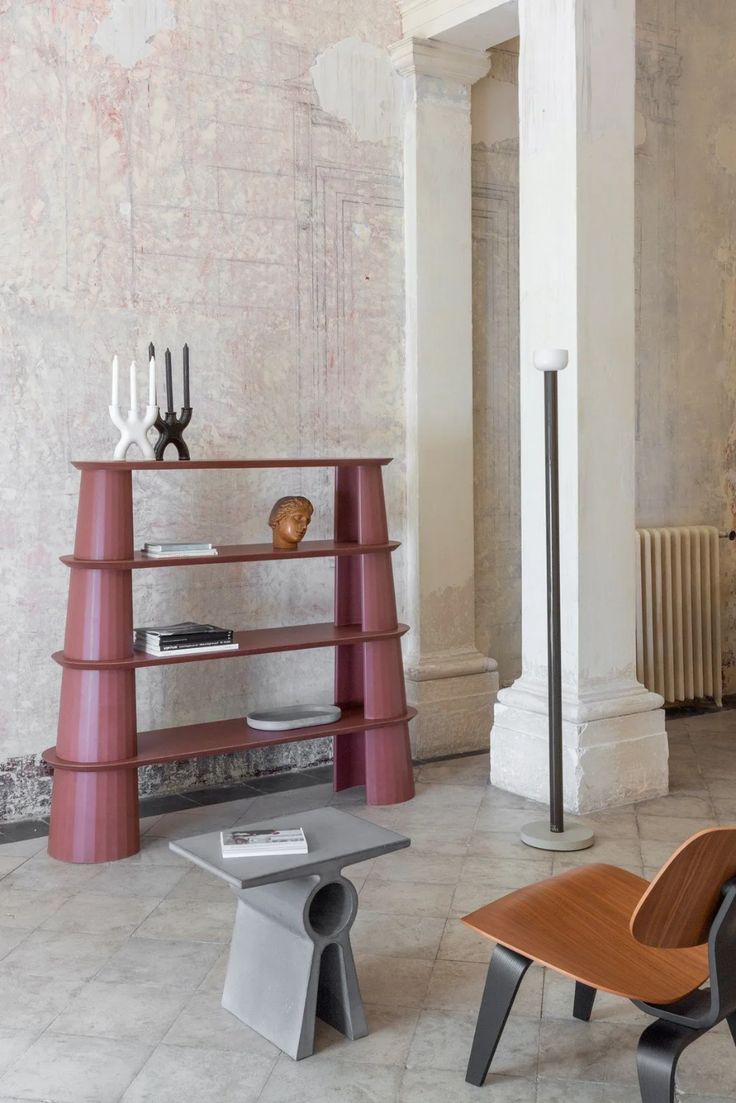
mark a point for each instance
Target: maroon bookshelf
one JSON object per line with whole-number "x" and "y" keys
{"x": 94, "y": 810}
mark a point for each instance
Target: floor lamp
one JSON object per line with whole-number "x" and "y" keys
{"x": 553, "y": 835}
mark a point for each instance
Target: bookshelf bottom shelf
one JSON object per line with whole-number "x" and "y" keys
{"x": 221, "y": 737}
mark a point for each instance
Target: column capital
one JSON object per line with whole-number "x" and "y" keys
{"x": 420, "y": 56}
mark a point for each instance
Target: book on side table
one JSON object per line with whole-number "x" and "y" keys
{"x": 268, "y": 841}
{"x": 186, "y": 638}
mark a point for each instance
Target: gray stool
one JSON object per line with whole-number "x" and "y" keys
{"x": 290, "y": 956}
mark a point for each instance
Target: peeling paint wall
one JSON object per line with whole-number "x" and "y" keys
{"x": 686, "y": 304}
{"x": 170, "y": 175}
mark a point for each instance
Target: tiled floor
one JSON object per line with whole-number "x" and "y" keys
{"x": 110, "y": 977}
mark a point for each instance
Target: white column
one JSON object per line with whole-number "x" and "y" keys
{"x": 452, "y": 684}
{"x": 576, "y": 94}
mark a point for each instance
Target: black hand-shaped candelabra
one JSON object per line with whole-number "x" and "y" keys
{"x": 170, "y": 427}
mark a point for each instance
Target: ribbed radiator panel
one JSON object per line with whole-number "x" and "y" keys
{"x": 678, "y": 616}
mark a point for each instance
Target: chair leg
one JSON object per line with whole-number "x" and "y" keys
{"x": 584, "y": 1000}
{"x": 505, "y": 974}
{"x": 659, "y": 1050}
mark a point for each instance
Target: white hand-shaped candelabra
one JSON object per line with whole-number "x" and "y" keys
{"x": 134, "y": 427}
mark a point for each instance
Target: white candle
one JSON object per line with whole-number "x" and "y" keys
{"x": 133, "y": 390}
{"x": 115, "y": 395}
{"x": 152, "y": 382}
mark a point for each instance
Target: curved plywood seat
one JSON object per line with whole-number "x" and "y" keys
{"x": 579, "y": 923}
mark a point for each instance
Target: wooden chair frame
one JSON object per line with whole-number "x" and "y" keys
{"x": 677, "y": 1025}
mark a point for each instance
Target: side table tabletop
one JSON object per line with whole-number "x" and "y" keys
{"x": 290, "y": 956}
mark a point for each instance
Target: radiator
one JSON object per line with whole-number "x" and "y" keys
{"x": 678, "y": 613}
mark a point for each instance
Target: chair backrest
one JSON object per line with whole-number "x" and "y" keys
{"x": 678, "y": 907}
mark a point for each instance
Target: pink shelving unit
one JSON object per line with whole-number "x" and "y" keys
{"x": 94, "y": 809}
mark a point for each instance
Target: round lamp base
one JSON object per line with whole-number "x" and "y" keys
{"x": 575, "y": 837}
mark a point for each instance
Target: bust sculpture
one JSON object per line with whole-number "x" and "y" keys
{"x": 289, "y": 520}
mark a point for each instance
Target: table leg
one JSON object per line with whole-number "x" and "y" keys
{"x": 291, "y": 961}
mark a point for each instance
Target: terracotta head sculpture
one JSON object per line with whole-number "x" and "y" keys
{"x": 289, "y": 520}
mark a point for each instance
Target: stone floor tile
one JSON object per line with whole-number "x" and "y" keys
{"x": 409, "y": 898}
{"x": 500, "y": 798}
{"x": 509, "y": 872}
{"x": 443, "y": 1038}
{"x": 456, "y": 985}
{"x": 97, "y": 914}
{"x": 673, "y": 830}
{"x": 24, "y": 847}
{"x": 282, "y": 804}
{"x": 708, "y": 1066}
{"x": 330, "y": 1081}
{"x": 558, "y": 998}
{"x": 61, "y": 1069}
{"x": 393, "y": 981}
{"x": 505, "y": 845}
{"x": 10, "y": 937}
{"x": 191, "y": 920}
{"x": 693, "y": 805}
{"x": 129, "y": 1012}
{"x": 616, "y": 852}
{"x": 460, "y": 943}
{"x": 205, "y": 1024}
{"x": 474, "y": 770}
{"x": 390, "y": 1032}
{"x": 723, "y": 788}
{"x": 469, "y": 896}
{"x": 47, "y": 875}
{"x": 153, "y": 961}
{"x": 584, "y": 1091}
{"x": 176, "y": 1073}
{"x": 14, "y": 1042}
{"x": 435, "y": 1086}
{"x": 597, "y": 1051}
{"x": 136, "y": 879}
{"x": 27, "y": 908}
{"x": 414, "y": 865}
{"x": 30, "y": 1002}
{"x": 199, "y": 820}
{"x": 63, "y": 955}
{"x": 416, "y": 936}
{"x": 156, "y": 852}
{"x": 491, "y": 817}
{"x": 198, "y": 884}
{"x": 214, "y": 979}
{"x": 9, "y": 862}
{"x": 433, "y": 838}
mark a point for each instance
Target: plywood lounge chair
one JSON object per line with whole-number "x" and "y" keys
{"x": 653, "y": 943}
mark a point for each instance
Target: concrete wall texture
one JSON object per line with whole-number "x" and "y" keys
{"x": 170, "y": 176}
{"x": 686, "y": 305}
{"x": 229, "y": 175}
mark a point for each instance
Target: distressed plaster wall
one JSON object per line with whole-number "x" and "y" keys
{"x": 686, "y": 304}
{"x": 170, "y": 174}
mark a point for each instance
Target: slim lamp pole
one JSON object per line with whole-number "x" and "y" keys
{"x": 553, "y": 835}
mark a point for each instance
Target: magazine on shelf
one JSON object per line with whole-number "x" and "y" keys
{"x": 179, "y": 553}
{"x": 178, "y": 547}
{"x": 197, "y": 649}
{"x": 265, "y": 841}
{"x": 187, "y": 630}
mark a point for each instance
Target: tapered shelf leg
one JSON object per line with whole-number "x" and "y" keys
{"x": 389, "y": 776}
{"x": 94, "y": 814}
{"x": 349, "y": 749}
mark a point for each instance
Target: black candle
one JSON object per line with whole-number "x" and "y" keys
{"x": 151, "y": 350}
{"x": 186, "y": 377}
{"x": 169, "y": 385}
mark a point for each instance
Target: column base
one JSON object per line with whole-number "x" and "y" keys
{"x": 608, "y": 760}
{"x": 455, "y": 706}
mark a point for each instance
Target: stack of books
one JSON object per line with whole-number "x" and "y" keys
{"x": 188, "y": 638}
{"x": 164, "y": 549}
{"x": 260, "y": 843}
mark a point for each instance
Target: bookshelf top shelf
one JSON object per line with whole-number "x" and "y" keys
{"x": 206, "y": 465}
{"x": 234, "y": 553}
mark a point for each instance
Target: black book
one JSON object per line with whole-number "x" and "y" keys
{"x": 187, "y": 630}
{"x": 185, "y": 641}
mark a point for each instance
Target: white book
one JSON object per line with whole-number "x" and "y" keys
{"x": 180, "y": 553}
{"x": 262, "y": 842}
{"x": 174, "y": 545}
{"x": 203, "y": 649}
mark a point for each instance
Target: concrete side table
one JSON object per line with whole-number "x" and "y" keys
{"x": 290, "y": 956}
